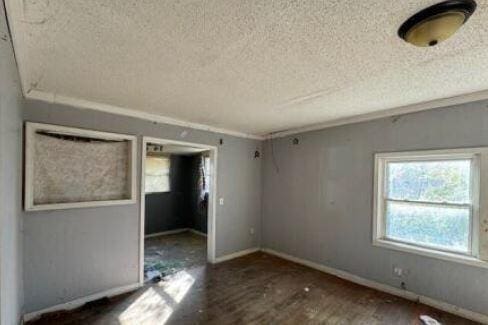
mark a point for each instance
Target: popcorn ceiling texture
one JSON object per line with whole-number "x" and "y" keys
{"x": 70, "y": 171}
{"x": 251, "y": 66}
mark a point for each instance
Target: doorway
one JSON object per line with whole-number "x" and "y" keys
{"x": 177, "y": 212}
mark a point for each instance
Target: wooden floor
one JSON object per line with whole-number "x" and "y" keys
{"x": 254, "y": 289}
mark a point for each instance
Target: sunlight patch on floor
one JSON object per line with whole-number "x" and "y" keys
{"x": 157, "y": 303}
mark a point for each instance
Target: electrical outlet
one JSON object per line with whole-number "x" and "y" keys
{"x": 221, "y": 201}
{"x": 251, "y": 231}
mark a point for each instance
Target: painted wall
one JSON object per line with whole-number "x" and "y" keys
{"x": 317, "y": 199}
{"x": 171, "y": 210}
{"x": 73, "y": 253}
{"x": 10, "y": 181}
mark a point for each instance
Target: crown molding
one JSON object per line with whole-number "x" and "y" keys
{"x": 13, "y": 9}
{"x": 86, "y": 104}
{"x": 437, "y": 103}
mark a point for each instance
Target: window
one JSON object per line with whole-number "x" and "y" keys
{"x": 427, "y": 201}
{"x": 157, "y": 174}
{"x": 207, "y": 174}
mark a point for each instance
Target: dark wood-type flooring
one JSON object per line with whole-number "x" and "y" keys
{"x": 254, "y": 289}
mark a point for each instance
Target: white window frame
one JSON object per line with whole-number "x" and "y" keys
{"x": 479, "y": 170}
{"x": 30, "y": 130}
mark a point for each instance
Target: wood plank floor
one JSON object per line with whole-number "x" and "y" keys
{"x": 254, "y": 289}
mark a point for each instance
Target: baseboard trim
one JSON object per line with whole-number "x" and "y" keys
{"x": 441, "y": 305}
{"x": 237, "y": 254}
{"x": 168, "y": 232}
{"x": 80, "y": 301}
{"x": 196, "y": 232}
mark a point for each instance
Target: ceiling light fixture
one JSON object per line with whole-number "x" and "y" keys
{"x": 436, "y": 23}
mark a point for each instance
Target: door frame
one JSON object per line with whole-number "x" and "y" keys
{"x": 212, "y": 199}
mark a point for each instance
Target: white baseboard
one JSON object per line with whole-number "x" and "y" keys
{"x": 81, "y": 301}
{"x": 477, "y": 317}
{"x": 196, "y": 232}
{"x": 339, "y": 273}
{"x": 236, "y": 254}
{"x": 168, "y": 232}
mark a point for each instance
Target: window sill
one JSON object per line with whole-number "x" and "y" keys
{"x": 161, "y": 192}
{"x": 452, "y": 257}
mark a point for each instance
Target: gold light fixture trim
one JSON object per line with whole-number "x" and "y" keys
{"x": 436, "y": 23}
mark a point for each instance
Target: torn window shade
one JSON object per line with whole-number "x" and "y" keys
{"x": 76, "y": 138}
{"x": 205, "y": 176}
{"x": 157, "y": 174}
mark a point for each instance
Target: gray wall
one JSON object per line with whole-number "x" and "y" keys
{"x": 171, "y": 210}
{"x": 319, "y": 206}
{"x": 77, "y": 252}
{"x": 10, "y": 181}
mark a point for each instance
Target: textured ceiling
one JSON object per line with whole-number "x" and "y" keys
{"x": 250, "y": 66}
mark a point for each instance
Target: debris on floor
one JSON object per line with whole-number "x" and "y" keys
{"x": 170, "y": 254}
{"x": 154, "y": 275}
{"x": 427, "y": 320}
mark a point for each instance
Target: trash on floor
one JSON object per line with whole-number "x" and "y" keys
{"x": 154, "y": 275}
{"x": 427, "y": 320}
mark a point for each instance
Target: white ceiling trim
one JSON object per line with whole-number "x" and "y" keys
{"x": 86, "y": 104}
{"x": 437, "y": 103}
{"x": 13, "y": 7}
{"x": 80, "y": 103}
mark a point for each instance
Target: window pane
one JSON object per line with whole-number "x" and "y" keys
{"x": 157, "y": 166}
{"x": 156, "y": 184}
{"x": 157, "y": 174}
{"x": 432, "y": 181}
{"x": 444, "y": 227}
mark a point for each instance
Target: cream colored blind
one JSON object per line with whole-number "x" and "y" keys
{"x": 157, "y": 175}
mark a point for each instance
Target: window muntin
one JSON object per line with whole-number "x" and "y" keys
{"x": 157, "y": 174}
{"x": 427, "y": 201}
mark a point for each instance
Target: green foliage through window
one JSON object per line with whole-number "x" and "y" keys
{"x": 431, "y": 181}
{"x": 443, "y": 218}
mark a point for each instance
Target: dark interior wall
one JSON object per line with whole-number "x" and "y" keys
{"x": 180, "y": 207}
{"x": 168, "y": 210}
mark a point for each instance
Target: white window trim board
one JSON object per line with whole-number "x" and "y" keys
{"x": 31, "y": 128}
{"x": 480, "y": 208}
